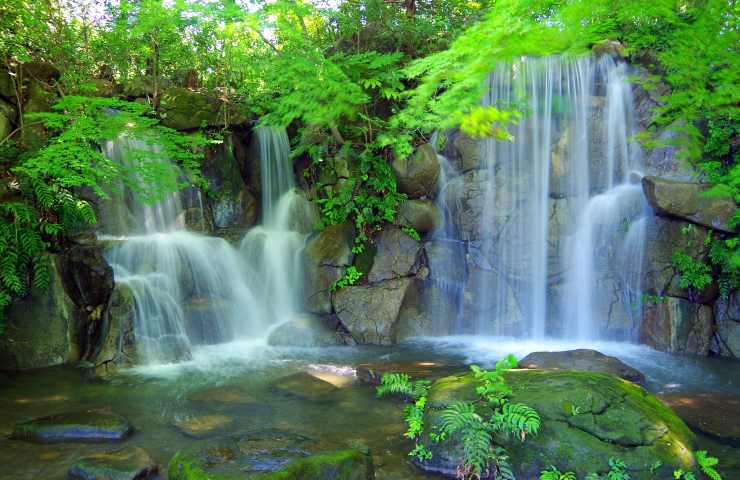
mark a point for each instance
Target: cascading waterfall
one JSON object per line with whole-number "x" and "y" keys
{"x": 188, "y": 289}
{"x": 273, "y": 248}
{"x": 560, "y": 240}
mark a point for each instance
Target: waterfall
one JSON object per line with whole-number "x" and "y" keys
{"x": 188, "y": 289}
{"x": 273, "y": 248}
{"x": 556, "y": 245}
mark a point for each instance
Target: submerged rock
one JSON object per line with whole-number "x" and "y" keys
{"x": 130, "y": 463}
{"x": 584, "y": 360}
{"x": 305, "y": 331}
{"x": 349, "y": 464}
{"x": 716, "y": 415}
{"x": 587, "y": 418}
{"x": 304, "y": 385}
{"x": 688, "y": 201}
{"x": 204, "y": 426}
{"x": 222, "y": 395}
{"x": 371, "y": 373}
{"x": 88, "y": 426}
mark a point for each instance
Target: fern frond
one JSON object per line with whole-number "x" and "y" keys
{"x": 707, "y": 463}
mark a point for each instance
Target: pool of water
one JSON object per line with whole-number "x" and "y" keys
{"x": 153, "y": 398}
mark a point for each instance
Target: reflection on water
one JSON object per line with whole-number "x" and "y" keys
{"x": 154, "y": 397}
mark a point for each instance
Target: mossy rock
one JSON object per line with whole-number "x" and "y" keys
{"x": 129, "y": 463}
{"x": 587, "y": 418}
{"x": 349, "y": 464}
{"x": 184, "y": 109}
{"x": 87, "y": 426}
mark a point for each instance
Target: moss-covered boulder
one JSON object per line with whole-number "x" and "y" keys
{"x": 87, "y": 426}
{"x": 587, "y": 418}
{"x": 185, "y": 109}
{"x": 582, "y": 359}
{"x": 129, "y": 463}
{"x": 349, "y": 464}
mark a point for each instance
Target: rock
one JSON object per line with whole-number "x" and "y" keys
{"x": 304, "y": 385}
{"x": 421, "y": 215}
{"x": 726, "y": 340}
{"x": 688, "y": 201}
{"x": 397, "y": 255}
{"x": 129, "y": 463}
{"x": 464, "y": 152}
{"x": 325, "y": 257}
{"x": 466, "y": 197}
{"x": 270, "y": 449}
{"x": 223, "y": 395}
{"x": 204, "y": 426}
{"x": 676, "y": 325}
{"x": 613, "y": 419}
{"x": 232, "y": 205}
{"x": 612, "y": 48}
{"x": 350, "y": 464}
{"x": 715, "y": 414}
{"x": 87, "y": 277}
{"x": 371, "y": 373}
{"x": 118, "y": 345}
{"x": 369, "y": 312}
{"x": 184, "y": 109}
{"x": 88, "y": 426}
{"x": 417, "y": 174}
{"x": 583, "y": 360}
{"x": 305, "y": 331}
{"x": 7, "y": 86}
{"x": 40, "y": 329}
{"x": 199, "y": 220}
{"x": 8, "y": 117}
{"x": 98, "y": 87}
{"x": 41, "y": 71}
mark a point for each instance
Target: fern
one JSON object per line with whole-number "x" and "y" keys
{"x": 707, "y": 464}
{"x": 553, "y": 473}
{"x": 516, "y": 419}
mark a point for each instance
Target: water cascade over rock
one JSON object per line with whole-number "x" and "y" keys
{"x": 550, "y": 221}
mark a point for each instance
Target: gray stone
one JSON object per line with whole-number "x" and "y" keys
{"x": 369, "y": 312}
{"x": 676, "y": 325}
{"x": 417, "y": 174}
{"x": 464, "y": 152}
{"x": 583, "y": 360}
{"x": 88, "y": 426}
{"x": 118, "y": 343}
{"x": 688, "y": 201}
{"x": 304, "y": 331}
{"x": 397, "y": 255}
{"x": 726, "y": 340}
{"x": 204, "y": 426}
{"x": 421, "y": 215}
{"x": 41, "y": 329}
{"x": 326, "y": 256}
{"x": 129, "y": 463}
{"x": 304, "y": 385}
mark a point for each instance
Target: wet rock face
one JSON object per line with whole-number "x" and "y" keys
{"x": 397, "y": 255}
{"x": 586, "y": 417}
{"x": 118, "y": 345}
{"x": 41, "y": 328}
{"x": 421, "y": 215}
{"x": 417, "y": 174}
{"x": 583, "y": 360}
{"x": 726, "y": 341}
{"x": 687, "y": 201}
{"x": 305, "y": 331}
{"x": 676, "y": 325}
{"x": 326, "y": 256}
{"x": 130, "y": 463}
{"x": 87, "y": 276}
{"x": 89, "y": 426}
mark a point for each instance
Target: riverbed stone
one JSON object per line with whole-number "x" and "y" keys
{"x": 417, "y": 174}
{"x": 421, "y": 215}
{"x": 41, "y": 328}
{"x": 326, "y": 256}
{"x": 397, "y": 255}
{"x": 185, "y": 109}
{"x": 583, "y": 360}
{"x": 688, "y": 201}
{"x": 204, "y": 426}
{"x": 304, "y": 385}
{"x": 369, "y": 312}
{"x": 129, "y": 463}
{"x": 677, "y": 325}
{"x": 86, "y": 426}
{"x": 306, "y": 330}
{"x": 226, "y": 395}
{"x": 614, "y": 419}
{"x": 714, "y": 414}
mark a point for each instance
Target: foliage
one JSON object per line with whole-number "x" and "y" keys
{"x": 553, "y": 473}
{"x": 350, "y": 277}
{"x": 707, "y": 465}
{"x": 618, "y": 470}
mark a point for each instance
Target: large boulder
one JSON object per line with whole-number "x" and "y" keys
{"x": 369, "y": 312}
{"x": 714, "y": 414}
{"x": 305, "y": 331}
{"x": 118, "y": 346}
{"x": 88, "y": 278}
{"x": 417, "y": 174}
{"x": 676, "y": 325}
{"x": 584, "y": 360}
{"x": 88, "y": 426}
{"x": 421, "y": 215}
{"x": 41, "y": 328}
{"x": 397, "y": 255}
{"x": 688, "y": 201}
{"x": 184, "y": 109}
{"x": 464, "y": 152}
{"x": 726, "y": 340}
{"x": 586, "y": 418}
{"x": 326, "y": 256}
{"x": 129, "y": 463}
